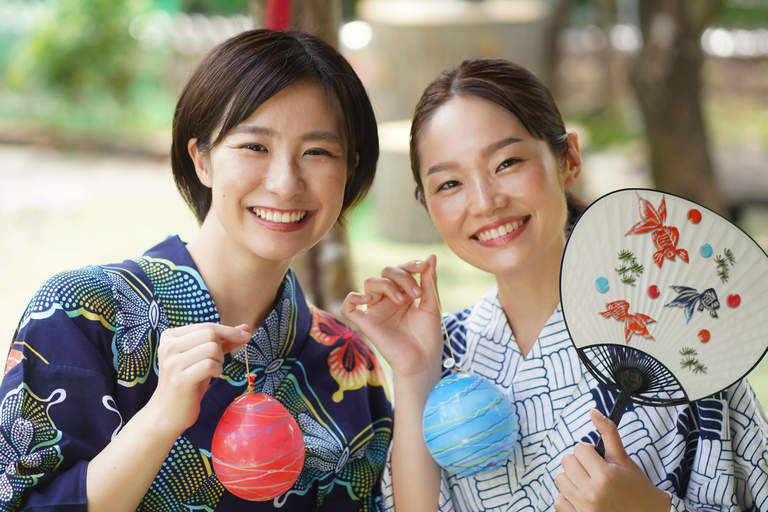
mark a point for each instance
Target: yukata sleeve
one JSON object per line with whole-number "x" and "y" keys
{"x": 371, "y": 461}
{"x": 56, "y": 410}
{"x": 730, "y": 473}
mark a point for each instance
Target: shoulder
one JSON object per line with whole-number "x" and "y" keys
{"x": 84, "y": 289}
{"x": 744, "y": 407}
{"x": 475, "y": 317}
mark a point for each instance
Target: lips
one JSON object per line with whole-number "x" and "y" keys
{"x": 499, "y": 230}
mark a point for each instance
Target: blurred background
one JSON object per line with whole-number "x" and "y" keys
{"x": 670, "y": 94}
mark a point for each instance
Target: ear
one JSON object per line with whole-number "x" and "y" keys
{"x": 201, "y": 163}
{"x": 351, "y": 171}
{"x": 572, "y": 165}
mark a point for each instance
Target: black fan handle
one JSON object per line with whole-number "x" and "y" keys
{"x": 617, "y": 411}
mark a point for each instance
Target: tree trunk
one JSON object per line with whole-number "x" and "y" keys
{"x": 666, "y": 76}
{"x": 325, "y": 271}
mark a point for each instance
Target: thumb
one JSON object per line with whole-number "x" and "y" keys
{"x": 430, "y": 300}
{"x": 614, "y": 448}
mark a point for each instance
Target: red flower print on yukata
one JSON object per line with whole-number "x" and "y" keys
{"x": 352, "y": 363}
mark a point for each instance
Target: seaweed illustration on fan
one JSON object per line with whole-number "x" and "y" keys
{"x": 665, "y": 238}
{"x": 724, "y": 264}
{"x": 690, "y": 361}
{"x": 630, "y": 269}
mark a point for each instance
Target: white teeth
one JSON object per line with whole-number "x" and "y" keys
{"x": 500, "y": 231}
{"x": 282, "y": 218}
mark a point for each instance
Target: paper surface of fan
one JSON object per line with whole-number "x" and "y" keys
{"x": 663, "y": 275}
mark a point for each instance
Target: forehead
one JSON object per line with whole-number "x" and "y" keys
{"x": 464, "y": 126}
{"x": 301, "y": 106}
{"x": 304, "y": 100}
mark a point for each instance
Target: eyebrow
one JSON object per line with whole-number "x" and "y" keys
{"x": 485, "y": 152}
{"x": 268, "y": 132}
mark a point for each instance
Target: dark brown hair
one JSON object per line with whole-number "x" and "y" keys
{"x": 243, "y": 72}
{"x": 510, "y": 86}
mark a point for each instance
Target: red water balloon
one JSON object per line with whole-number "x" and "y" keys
{"x": 258, "y": 448}
{"x": 734, "y": 300}
{"x": 653, "y": 291}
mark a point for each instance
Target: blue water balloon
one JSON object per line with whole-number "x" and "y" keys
{"x": 469, "y": 425}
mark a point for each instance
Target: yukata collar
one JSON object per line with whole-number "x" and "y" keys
{"x": 275, "y": 345}
{"x": 489, "y": 321}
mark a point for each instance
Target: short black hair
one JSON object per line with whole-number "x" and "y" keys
{"x": 243, "y": 72}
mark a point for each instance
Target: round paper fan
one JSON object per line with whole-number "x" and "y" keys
{"x": 664, "y": 299}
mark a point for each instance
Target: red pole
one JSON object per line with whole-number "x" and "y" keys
{"x": 277, "y": 15}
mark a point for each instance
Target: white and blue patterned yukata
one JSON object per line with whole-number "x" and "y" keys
{"x": 710, "y": 455}
{"x": 84, "y": 361}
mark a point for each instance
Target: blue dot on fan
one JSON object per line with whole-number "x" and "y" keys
{"x": 601, "y": 283}
{"x": 706, "y": 250}
{"x": 469, "y": 425}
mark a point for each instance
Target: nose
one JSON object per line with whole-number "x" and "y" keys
{"x": 284, "y": 178}
{"x": 487, "y": 197}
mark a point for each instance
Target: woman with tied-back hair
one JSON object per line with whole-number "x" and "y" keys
{"x": 493, "y": 163}
{"x": 118, "y": 374}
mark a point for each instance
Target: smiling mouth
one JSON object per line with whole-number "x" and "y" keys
{"x": 279, "y": 217}
{"x": 500, "y": 231}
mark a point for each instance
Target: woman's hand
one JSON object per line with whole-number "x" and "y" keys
{"x": 402, "y": 317}
{"x": 590, "y": 484}
{"x": 189, "y": 357}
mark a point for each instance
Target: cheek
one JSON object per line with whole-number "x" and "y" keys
{"x": 445, "y": 215}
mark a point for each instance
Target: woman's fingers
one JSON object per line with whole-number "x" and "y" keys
{"x": 184, "y": 338}
{"x": 403, "y": 278}
{"x": 377, "y": 288}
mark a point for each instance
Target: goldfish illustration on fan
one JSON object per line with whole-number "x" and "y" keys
{"x": 257, "y": 448}
{"x": 469, "y": 424}
{"x": 664, "y": 237}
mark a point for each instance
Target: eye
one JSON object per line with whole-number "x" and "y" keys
{"x": 448, "y": 185}
{"x": 254, "y": 147}
{"x": 509, "y": 162}
{"x": 318, "y": 152}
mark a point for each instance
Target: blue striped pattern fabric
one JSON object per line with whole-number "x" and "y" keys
{"x": 710, "y": 455}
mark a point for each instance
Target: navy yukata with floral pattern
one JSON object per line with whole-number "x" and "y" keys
{"x": 84, "y": 361}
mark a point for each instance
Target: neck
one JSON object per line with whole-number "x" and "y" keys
{"x": 529, "y": 296}
{"x": 244, "y": 287}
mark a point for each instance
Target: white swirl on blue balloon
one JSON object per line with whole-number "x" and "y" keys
{"x": 470, "y": 426}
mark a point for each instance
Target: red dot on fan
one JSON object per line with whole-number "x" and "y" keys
{"x": 694, "y": 216}
{"x": 734, "y": 300}
{"x": 703, "y": 335}
{"x": 653, "y": 291}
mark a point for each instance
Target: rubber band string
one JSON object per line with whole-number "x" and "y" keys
{"x": 248, "y": 375}
{"x": 450, "y": 363}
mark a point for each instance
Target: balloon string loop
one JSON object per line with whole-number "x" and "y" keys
{"x": 248, "y": 375}
{"x": 447, "y": 363}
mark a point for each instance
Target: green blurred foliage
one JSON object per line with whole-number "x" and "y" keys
{"x": 744, "y": 14}
{"x": 219, "y": 7}
{"x": 79, "y": 48}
